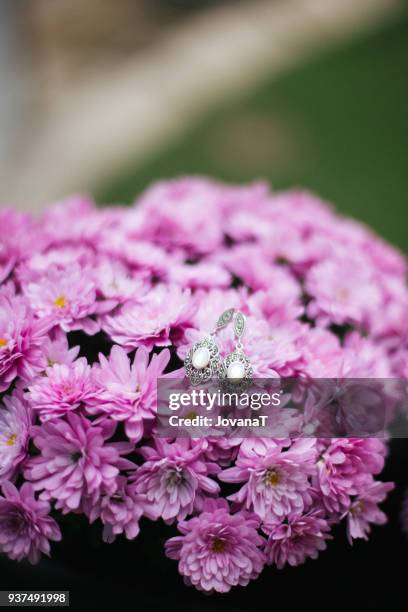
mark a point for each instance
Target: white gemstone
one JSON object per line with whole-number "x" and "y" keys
{"x": 201, "y": 358}
{"x": 236, "y": 370}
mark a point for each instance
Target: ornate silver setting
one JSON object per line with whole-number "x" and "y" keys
{"x": 225, "y": 318}
{"x": 239, "y": 325}
{"x": 234, "y": 360}
{"x": 202, "y": 375}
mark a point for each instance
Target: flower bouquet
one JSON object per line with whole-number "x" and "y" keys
{"x": 97, "y": 304}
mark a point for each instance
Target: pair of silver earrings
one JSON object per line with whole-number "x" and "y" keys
{"x": 203, "y": 361}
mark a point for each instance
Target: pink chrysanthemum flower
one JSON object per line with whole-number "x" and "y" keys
{"x": 15, "y": 428}
{"x": 298, "y": 537}
{"x": 345, "y": 464}
{"x": 364, "y": 510}
{"x": 343, "y": 291}
{"x": 116, "y": 284}
{"x": 119, "y": 512}
{"x": 183, "y": 213}
{"x": 276, "y": 479}
{"x": 34, "y": 268}
{"x": 74, "y": 221}
{"x": 156, "y": 320}
{"x": 21, "y": 340}
{"x": 25, "y": 525}
{"x": 218, "y": 550}
{"x": 67, "y": 296}
{"x": 174, "y": 479}
{"x": 76, "y": 461}
{"x": 22, "y": 236}
{"x": 127, "y": 392}
{"x": 200, "y": 276}
{"x": 63, "y": 389}
{"x": 56, "y": 349}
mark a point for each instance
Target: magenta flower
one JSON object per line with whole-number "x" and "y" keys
{"x": 74, "y": 220}
{"x": 201, "y": 276}
{"x": 21, "y": 340}
{"x": 343, "y": 291}
{"x": 174, "y": 479}
{"x": 116, "y": 284}
{"x": 364, "y": 510}
{"x": 25, "y": 525}
{"x": 34, "y": 268}
{"x": 56, "y": 349}
{"x": 119, "y": 512}
{"x": 67, "y": 296}
{"x": 15, "y": 428}
{"x": 63, "y": 389}
{"x": 297, "y": 538}
{"x": 276, "y": 479}
{"x": 218, "y": 550}
{"x": 126, "y": 392}
{"x": 279, "y": 305}
{"x": 183, "y": 213}
{"x": 23, "y": 237}
{"x": 76, "y": 461}
{"x": 344, "y": 466}
{"x": 156, "y": 320}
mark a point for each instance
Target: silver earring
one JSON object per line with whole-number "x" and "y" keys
{"x": 203, "y": 359}
{"x": 236, "y": 369}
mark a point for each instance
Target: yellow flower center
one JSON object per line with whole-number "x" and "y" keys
{"x": 60, "y": 301}
{"x": 342, "y": 295}
{"x": 218, "y": 545}
{"x": 272, "y": 478}
{"x": 357, "y": 508}
{"x": 191, "y": 415}
{"x": 3, "y": 342}
{"x": 11, "y": 440}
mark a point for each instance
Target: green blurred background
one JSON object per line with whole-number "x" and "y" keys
{"x": 336, "y": 124}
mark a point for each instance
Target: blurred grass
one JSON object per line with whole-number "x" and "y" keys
{"x": 337, "y": 124}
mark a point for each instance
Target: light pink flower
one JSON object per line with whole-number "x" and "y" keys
{"x": 21, "y": 340}
{"x": 63, "y": 389}
{"x": 343, "y": 290}
{"x": 119, "y": 512}
{"x": 34, "y": 268}
{"x": 74, "y": 220}
{"x": 67, "y": 296}
{"x": 364, "y": 510}
{"x": 15, "y": 429}
{"x": 115, "y": 283}
{"x": 158, "y": 319}
{"x": 218, "y": 550}
{"x": 149, "y": 261}
{"x": 345, "y": 465}
{"x": 21, "y": 236}
{"x": 25, "y": 525}
{"x": 76, "y": 461}
{"x": 127, "y": 392}
{"x": 183, "y": 213}
{"x": 56, "y": 349}
{"x": 204, "y": 275}
{"x": 173, "y": 478}
{"x": 297, "y": 538}
{"x": 281, "y": 304}
{"x": 276, "y": 479}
